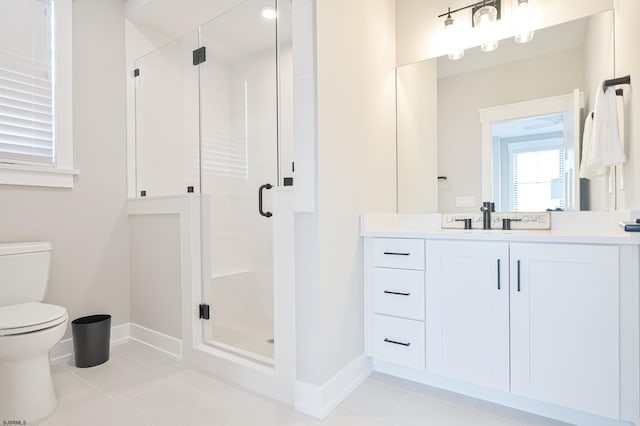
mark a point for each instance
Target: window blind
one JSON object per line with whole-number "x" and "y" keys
{"x": 26, "y": 82}
{"x": 532, "y": 172}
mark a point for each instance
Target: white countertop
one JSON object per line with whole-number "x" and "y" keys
{"x": 584, "y": 229}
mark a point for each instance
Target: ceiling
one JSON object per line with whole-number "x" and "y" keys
{"x": 175, "y": 17}
{"x": 230, "y": 29}
{"x": 524, "y": 127}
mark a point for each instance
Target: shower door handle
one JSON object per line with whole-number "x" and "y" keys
{"x": 262, "y": 188}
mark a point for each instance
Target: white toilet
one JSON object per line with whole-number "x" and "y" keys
{"x": 28, "y": 331}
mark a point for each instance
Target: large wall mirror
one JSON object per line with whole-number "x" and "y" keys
{"x": 504, "y": 126}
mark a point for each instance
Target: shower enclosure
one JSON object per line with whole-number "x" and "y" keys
{"x": 207, "y": 121}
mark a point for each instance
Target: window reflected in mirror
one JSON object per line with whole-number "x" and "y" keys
{"x": 529, "y": 163}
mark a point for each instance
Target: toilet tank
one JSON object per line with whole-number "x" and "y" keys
{"x": 24, "y": 272}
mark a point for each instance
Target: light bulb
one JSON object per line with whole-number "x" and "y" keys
{"x": 452, "y": 34}
{"x": 489, "y": 46}
{"x": 483, "y": 19}
{"x": 448, "y": 23}
{"x": 522, "y": 21}
{"x": 458, "y": 54}
{"x": 524, "y": 37}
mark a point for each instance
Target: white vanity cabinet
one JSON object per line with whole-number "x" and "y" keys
{"x": 467, "y": 304}
{"x": 545, "y": 324}
{"x": 565, "y": 325}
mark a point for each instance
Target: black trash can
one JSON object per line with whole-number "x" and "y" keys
{"x": 91, "y": 336}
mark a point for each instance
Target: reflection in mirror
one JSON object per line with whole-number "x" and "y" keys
{"x": 529, "y": 160}
{"x": 529, "y": 163}
{"x": 560, "y": 59}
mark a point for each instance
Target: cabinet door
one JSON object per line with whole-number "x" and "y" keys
{"x": 467, "y": 312}
{"x": 564, "y": 325}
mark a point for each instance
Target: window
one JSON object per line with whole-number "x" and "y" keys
{"x": 26, "y": 84}
{"x": 547, "y": 124}
{"x": 35, "y": 93}
{"x": 537, "y": 178}
{"x": 530, "y": 163}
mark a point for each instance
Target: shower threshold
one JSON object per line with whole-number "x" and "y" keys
{"x": 248, "y": 355}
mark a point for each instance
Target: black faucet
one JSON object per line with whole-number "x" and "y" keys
{"x": 486, "y": 209}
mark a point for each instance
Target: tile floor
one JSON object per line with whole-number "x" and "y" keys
{"x": 139, "y": 386}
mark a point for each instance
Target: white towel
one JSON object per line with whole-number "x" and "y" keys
{"x": 586, "y": 168}
{"x": 620, "y": 106}
{"x": 601, "y": 140}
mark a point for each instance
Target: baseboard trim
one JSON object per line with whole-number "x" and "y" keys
{"x": 168, "y": 345}
{"x": 124, "y": 333}
{"x": 61, "y": 351}
{"x": 320, "y": 401}
{"x": 504, "y": 399}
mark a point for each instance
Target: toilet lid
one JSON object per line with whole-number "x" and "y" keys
{"x": 29, "y": 317}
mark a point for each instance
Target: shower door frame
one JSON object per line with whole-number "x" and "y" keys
{"x": 256, "y": 132}
{"x": 277, "y": 381}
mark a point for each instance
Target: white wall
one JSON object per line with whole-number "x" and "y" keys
{"x": 598, "y": 54}
{"x": 627, "y": 13}
{"x": 417, "y": 123}
{"x": 461, "y": 96}
{"x": 598, "y": 65}
{"x": 87, "y": 224}
{"x": 356, "y": 173}
{"x": 155, "y": 272}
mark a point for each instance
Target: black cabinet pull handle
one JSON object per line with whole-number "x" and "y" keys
{"x": 390, "y": 253}
{"x": 262, "y": 188}
{"x": 397, "y": 343}
{"x": 397, "y": 293}
{"x": 498, "y": 274}
{"x": 518, "y": 275}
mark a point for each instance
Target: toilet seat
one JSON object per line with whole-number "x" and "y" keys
{"x": 30, "y": 317}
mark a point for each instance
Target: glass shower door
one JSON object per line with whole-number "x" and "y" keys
{"x": 166, "y": 107}
{"x": 239, "y": 156}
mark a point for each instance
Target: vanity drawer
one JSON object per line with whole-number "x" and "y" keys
{"x": 398, "y": 292}
{"x": 400, "y": 341}
{"x": 403, "y": 253}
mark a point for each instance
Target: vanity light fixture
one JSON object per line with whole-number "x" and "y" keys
{"x": 268, "y": 12}
{"x": 484, "y": 14}
{"x": 522, "y": 21}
